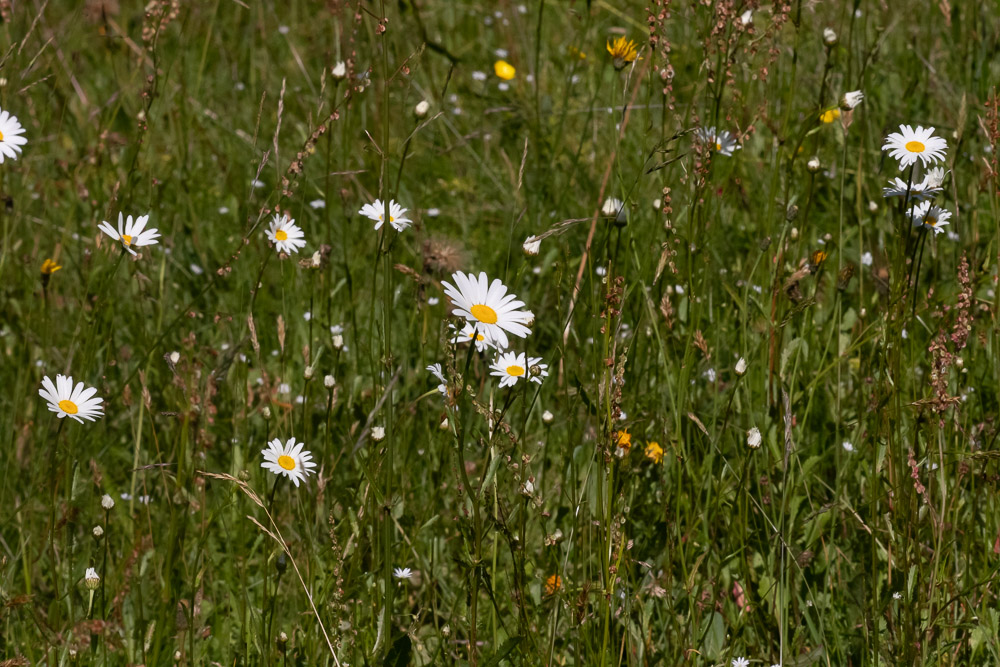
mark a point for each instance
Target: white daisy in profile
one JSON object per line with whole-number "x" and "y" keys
{"x": 286, "y": 236}
{"x": 611, "y": 207}
{"x": 470, "y": 332}
{"x": 723, "y": 142}
{"x": 402, "y": 572}
{"x": 740, "y": 662}
{"x": 10, "y": 136}
{"x": 930, "y": 217}
{"x": 488, "y": 307}
{"x": 289, "y": 459}
{"x": 934, "y": 178}
{"x": 132, "y": 234}
{"x": 909, "y": 145}
{"x": 397, "y": 217}
{"x": 918, "y": 191}
{"x": 66, "y": 400}
{"x": 435, "y": 370}
{"x": 511, "y": 366}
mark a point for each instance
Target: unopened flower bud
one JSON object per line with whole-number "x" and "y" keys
{"x": 531, "y": 246}
{"x": 741, "y": 366}
{"x": 91, "y": 579}
{"x": 830, "y": 37}
{"x": 98, "y": 532}
{"x": 329, "y": 381}
{"x": 547, "y": 417}
{"x": 814, "y": 165}
{"x": 339, "y": 71}
{"x": 423, "y": 106}
{"x": 338, "y": 341}
{"x": 378, "y": 433}
{"x": 753, "y": 438}
{"x": 107, "y": 502}
{"x": 308, "y": 373}
{"x": 266, "y": 411}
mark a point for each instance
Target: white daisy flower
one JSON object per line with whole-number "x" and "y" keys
{"x": 488, "y": 307}
{"x": 934, "y": 178}
{"x": 317, "y": 203}
{"x": 722, "y": 142}
{"x": 612, "y": 207}
{"x": 289, "y": 460}
{"x": 909, "y": 145}
{"x": 131, "y": 234}
{"x": 66, "y": 400}
{"x": 10, "y": 136}
{"x": 436, "y": 371}
{"x": 286, "y": 236}
{"x": 851, "y": 100}
{"x": 397, "y": 218}
{"x": 531, "y": 246}
{"x": 930, "y": 216}
{"x": 918, "y": 191}
{"x": 402, "y": 572}
{"x": 91, "y": 579}
{"x": 740, "y": 662}
{"x": 469, "y": 332}
{"x": 510, "y": 366}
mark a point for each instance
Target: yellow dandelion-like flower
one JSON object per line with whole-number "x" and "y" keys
{"x": 654, "y": 452}
{"x": 829, "y": 115}
{"x": 504, "y": 70}
{"x": 49, "y": 267}
{"x": 624, "y": 439}
{"x": 623, "y": 52}
{"x": 553, "y": 584}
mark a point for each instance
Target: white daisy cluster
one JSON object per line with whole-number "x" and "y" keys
{"x": 908, "y": 146}
{"x": 490, "y": 314}
{"x": 397, "y": 215}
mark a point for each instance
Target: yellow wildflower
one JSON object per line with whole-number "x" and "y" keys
{"x": 504, "y": 70}
{"x": 553, "y": 584}
{"x": 49, "y": 267}
{"x": 654, "y": 452}
{"x": 623, "y": 439}
{"x": 623, "y": 51}
{"x": 829, "y": 115}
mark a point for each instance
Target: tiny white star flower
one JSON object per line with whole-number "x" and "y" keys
{"x": 402, "y": 572}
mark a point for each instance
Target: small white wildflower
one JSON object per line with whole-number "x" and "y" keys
{"x": 318, "y": 203}
{"x": 339, "y": 70}
{"x": 753, "y": 438}
{"x": 532, "y": 245}
{"x": 107, "y": 502}
{"x": 402, "y": 573}
{"x": 547, "y": 417}
{"x": 741, "y": 366}
{"x": 329, "y": 381}
{"x": 829, "y": 37}
{"x": 378, "y": 433}
{"x": 866, "y": 259}
{"x": 746, "y": 18}
{"x": 423, "y": 106}
{"x": 848, "y": 447}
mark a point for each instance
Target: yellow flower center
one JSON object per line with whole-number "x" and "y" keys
{"x": 484, "y": 314}
{"x": 516, "y": 371}
{"x": 915, "y": 147}
{"x": 281, "y": 235}
{"x": 126, "y": 239}
{"x": 286, "y": 462}
{"x": 718, "y": 146}
{"x": 69, "y": 407}
{"x": 1, "y": 136}
{"x": 931, "y": 221}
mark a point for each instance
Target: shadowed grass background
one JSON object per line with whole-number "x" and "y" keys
{"x": 863, "y": 531}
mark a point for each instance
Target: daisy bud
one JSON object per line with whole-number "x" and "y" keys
{"x": 378, "y": 433}
{"x": 741, "y": 366}
{"x": 547, "y": 417}
{"x": 527, "y": 489}
{"x": 92, "y": 579}
{"x": 535, "y": 370}
{"x": 794, "y": 233}
{"x": 830, "y": 37}
{"x": 308, "y": 373}
{"x": 814, "y": 165}
{"x": 177, "y": 656}
{"x": 282, "y": 641}
{"x": 175, "y": 357}
{"x": 753, "y": 438}
{"x": 339, "y": 71}
{"x": 107, "y": 502}
{"x": 266, "y": 411}
{"x": 423, "y": 106}
{"x": 611, "y": 207}
{"x": 872, "y": 206}
{"x": 316, "y": 260}
{"x": 329, "y": 381}
{"x": 444, "y": 424}
{"x": 851, "y": 100}
{"x": 446, "y": 631}
{"x": 531, "y": 246}
{"x": 98, "y": 532}
{"x": 338, "y": 342}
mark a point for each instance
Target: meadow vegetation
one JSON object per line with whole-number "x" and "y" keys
{"x": 742, "y": 409}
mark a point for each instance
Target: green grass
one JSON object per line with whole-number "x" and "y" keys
{"x": 797, "y": 553}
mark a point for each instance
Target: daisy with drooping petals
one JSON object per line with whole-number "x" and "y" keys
{"x": 511, "y": 366}
{"x": 488, "y": 307}
{"x": 10, "y": 136}
{"x": 435, "y": 370}
{"x": 66, "y": 400}
{"x": 909, "y": 145}
{"x": 397, "y": 217}
{"x": 723, "y": 143}
{"x": 918, "y": 191}
{"x": 286, "y": 236}
{"x": 132, "y": 234}
{"x": 288, "y": 459}
{"x": 468, "y": 333}
{"x": 930, "y": 217}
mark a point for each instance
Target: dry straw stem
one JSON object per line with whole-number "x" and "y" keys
{"x": 275, "y": 534}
